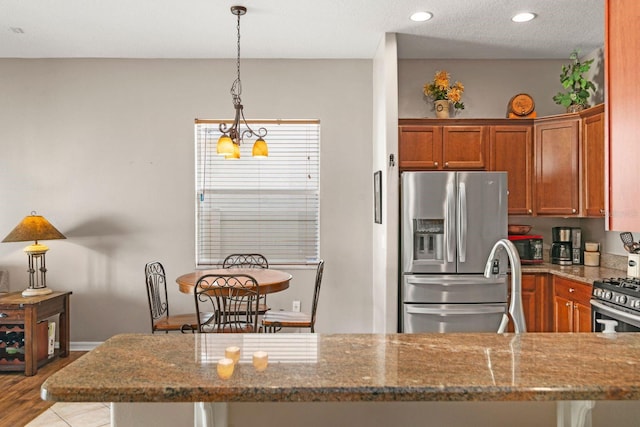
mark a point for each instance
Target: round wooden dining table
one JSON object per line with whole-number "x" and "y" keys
{"x": 269, "y": 280}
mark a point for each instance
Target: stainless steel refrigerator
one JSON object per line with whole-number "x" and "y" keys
{"x": 449, "y": 224}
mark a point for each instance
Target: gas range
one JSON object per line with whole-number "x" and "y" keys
{"x": 621, "y": 291}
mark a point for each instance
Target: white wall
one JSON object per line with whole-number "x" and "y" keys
{"x": 385, "y": 139}
{"x": 104, "y": 150}
{"x": 489, "y": 85}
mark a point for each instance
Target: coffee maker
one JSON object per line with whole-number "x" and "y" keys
{"x": 561, "y": 247}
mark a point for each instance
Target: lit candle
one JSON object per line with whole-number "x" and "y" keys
{"x": 260, "y": 360}
{"x": 225, "y": 368}
{"x": 232, "y": 353}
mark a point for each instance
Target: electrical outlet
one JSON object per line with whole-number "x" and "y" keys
{"x": 296, "y": 305}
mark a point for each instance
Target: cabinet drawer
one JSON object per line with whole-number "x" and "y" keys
{"x": 11, "y": 316}
{"x": 571, "y": 290}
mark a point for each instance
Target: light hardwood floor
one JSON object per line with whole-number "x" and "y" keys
{"x": 20, "y": 397}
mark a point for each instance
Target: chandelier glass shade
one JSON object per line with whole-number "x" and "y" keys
{"x": 232, "y": 136}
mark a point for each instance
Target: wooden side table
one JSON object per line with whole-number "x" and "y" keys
{"x": 28, "y": 311}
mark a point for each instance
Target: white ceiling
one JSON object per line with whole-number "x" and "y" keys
{"x": 472, "y": 29}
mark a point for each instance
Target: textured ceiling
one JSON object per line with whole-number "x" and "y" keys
{"x": 471, "y": 29}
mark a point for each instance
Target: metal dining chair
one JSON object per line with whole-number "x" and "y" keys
{"x": 232, "y": 298}
{"x": 161, "y": 319}
{"x": 245, "y": 261}
{"x": 249, "y": 261}
{"x": 274, "y": 321}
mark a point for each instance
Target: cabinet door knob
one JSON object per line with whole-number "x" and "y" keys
{"x": 446, "y": 164}
{"x": 568, "y": 304}
{"x": 573, "y": 211}
{"x": 602, "y": 211}
{"x": 4, "y": 315}
{"x": 435, "y": 164}
{"x": 571, "y": 290}
{"x": 530, "y": 211}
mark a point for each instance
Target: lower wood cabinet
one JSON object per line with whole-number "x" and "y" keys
{"x": 534, "y": 302}
{"x": 571, "y": 306}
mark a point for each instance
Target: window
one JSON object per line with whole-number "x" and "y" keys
{"x": 259, "y": 205}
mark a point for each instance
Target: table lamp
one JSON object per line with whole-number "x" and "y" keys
{"x": 35, "y": 227}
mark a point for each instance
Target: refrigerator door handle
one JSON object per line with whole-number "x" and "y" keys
{"x": 451, "y": 310}
{"x": 462, "y": 222}
{"x": 450, "y": 223}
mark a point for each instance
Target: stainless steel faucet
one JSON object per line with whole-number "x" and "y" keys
{"x": 515, "y": 300}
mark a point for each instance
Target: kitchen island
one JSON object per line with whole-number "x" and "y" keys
{"x": 354, "y": 368}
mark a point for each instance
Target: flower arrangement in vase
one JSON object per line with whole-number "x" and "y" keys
{"x": 444, "y": 93}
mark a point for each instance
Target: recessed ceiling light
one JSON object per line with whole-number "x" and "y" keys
{"x": 421, "y": 16}
{"x": 523, "y": 17}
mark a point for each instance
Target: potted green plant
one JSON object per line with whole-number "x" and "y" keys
{"x": 572, "y": 79}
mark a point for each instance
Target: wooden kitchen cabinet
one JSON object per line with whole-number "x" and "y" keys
{"x": 622, "y": 44}
{"x": 571, "y": 306}
{"x": 511, "y": 150}
{"x": 435, "y": 147}
{"x": 592, "y": 163}
{"x": 420, "y": 147}
{"x": 465, "y": 147}
{"x": 556, "y": 165}
{"x": 534, "y": 302}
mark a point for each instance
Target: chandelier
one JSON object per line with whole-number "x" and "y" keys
{"x": 233, "y": 136}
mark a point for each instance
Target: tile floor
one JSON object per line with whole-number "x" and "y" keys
{"x": 64, "y": 414}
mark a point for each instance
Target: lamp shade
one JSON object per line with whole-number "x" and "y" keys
{"x": 236, "y": 152}
{"x": 33, "y": 228}
{"x": 225, "y": 146}
{"x": 260, "y": 148}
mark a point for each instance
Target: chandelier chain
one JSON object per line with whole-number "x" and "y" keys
{"x": 236, "y": 88}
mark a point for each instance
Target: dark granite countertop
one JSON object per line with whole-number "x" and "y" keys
{"x": 355, "y": 367}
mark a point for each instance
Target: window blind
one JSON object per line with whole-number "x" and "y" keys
{"x": 259, "y": 205}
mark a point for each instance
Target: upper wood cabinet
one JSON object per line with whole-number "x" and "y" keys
{"x": 420, "y": 147}
{"x": 622, "y": 44}
{"x": 443, "y": 147}
{"x": 556, "y": 166}
{"x": 511, "y": 150}
{"x": 592, "y": 163}
{"x": 569, "y": 164}
{"x": 465, "y": 147}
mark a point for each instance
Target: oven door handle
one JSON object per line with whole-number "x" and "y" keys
{"x": 618, "y": 314}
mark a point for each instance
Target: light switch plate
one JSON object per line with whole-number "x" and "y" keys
{"x": 295, "y": 306}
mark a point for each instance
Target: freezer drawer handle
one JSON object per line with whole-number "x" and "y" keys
{"x": 456, "y": 310}
{"x": 437, "y": 281}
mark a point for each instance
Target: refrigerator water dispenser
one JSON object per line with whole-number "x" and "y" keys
{"x": 428, "y": 239}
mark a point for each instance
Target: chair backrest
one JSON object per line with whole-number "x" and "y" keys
{"x": 232, "y": 298}
{"x": 245, "y": 261}
{"x": 156, "y": 292}
{"x": 316, "y": 294}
